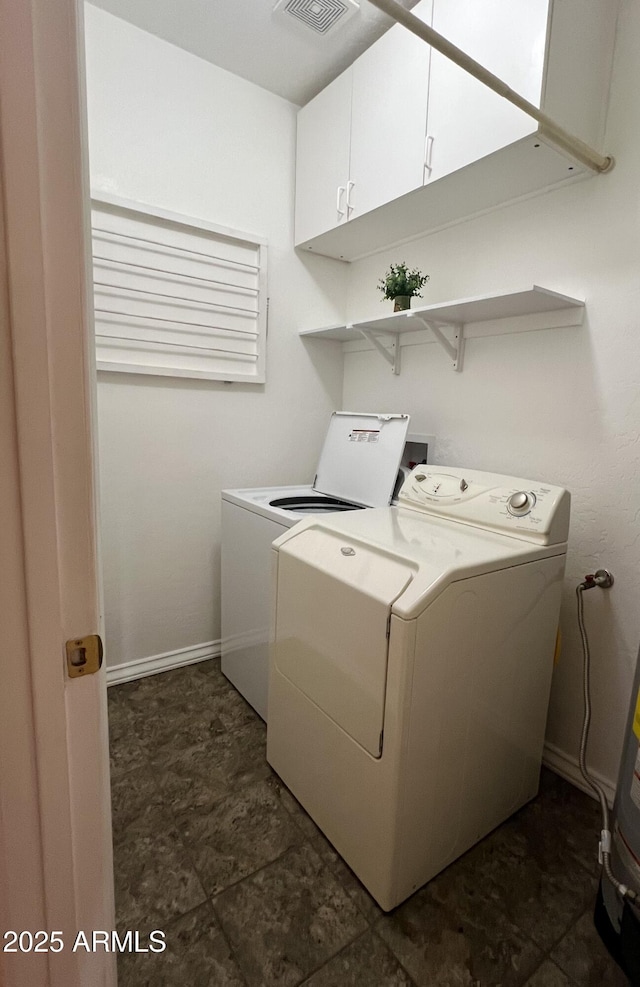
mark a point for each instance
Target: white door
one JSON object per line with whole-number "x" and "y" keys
{"x": 322, "y": 160}
{"x": 467, "y": 121}
{"x": 56, "y": 870}
{"x": 389, "y": 117}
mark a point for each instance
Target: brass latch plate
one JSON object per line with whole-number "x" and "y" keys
{"x": 84, "y": 655}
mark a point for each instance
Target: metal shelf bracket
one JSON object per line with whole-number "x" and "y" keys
{"x": 391, "y": 355}
{"x": 454, "y": 347}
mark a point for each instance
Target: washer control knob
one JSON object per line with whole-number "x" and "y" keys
{"x": 520, "y": 503}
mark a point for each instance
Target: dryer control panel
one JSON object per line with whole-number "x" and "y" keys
{"x": 527, "y": 509}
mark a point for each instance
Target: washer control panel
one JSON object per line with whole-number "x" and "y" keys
{"x": 522, "y": 508}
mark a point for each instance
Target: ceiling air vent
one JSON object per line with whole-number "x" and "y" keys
{"x": 319, "y": 16}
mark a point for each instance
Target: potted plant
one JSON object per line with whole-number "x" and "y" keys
{"x": 401, "y": 284}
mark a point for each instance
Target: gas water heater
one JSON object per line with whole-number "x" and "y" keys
{"x": 617, "y": 915}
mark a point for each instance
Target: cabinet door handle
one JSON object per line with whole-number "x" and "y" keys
{"x": 340, "y": 193}
{"x": 350, "y": 208}
{"x": 428, "y": 154}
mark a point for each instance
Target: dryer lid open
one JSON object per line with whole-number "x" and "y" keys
{"x": 360, "y": 457}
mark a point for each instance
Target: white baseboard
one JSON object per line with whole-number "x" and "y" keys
{"x": 567, "y": 766}
{"x": 142, "y": 667}
{"x": 244, "y": 641}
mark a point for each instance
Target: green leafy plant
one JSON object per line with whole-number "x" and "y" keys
{"x": 399, "y": 280}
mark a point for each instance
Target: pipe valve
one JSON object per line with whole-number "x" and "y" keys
{"x": 601, "y": 577}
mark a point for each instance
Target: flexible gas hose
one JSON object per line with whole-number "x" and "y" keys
{"x": 605, "y": 836}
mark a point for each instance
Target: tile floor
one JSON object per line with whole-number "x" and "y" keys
{"x": 211, "y": 849}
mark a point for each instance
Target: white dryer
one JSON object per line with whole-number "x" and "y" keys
{"x": 358, "y": 467}
{"x": 411, "y": 665}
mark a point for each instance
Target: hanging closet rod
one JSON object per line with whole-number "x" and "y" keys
{"x": 553, "y": 131}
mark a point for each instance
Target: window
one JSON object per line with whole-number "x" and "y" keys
{"x": 176, "y": 296}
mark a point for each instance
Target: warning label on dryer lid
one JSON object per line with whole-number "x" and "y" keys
{"x": 364, "y": 435}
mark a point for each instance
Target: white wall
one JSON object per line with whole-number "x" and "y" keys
{"x": 561, "y": 405}
{"x": 169, "y": 129}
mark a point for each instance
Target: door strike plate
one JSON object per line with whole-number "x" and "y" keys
{"x": 84, "y": 655}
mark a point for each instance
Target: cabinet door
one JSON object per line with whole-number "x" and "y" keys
{"x": 322, "y": 162}
{"x": 467, "y": 121}
{"x": 388, "y": 117}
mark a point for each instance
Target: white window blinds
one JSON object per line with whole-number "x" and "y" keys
{"x": 175, "y": 296}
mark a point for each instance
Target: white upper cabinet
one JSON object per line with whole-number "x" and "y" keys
{"x": 466, "y": 120}
{"x": 388, "y": 119}
{"x": 322, "y": 161}
{"x": 361, "y": 141}
{"x": 384, "y": 156}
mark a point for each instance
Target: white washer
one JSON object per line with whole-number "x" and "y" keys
{"x": 411, "y": 666}
{"x": 357, "y": 468}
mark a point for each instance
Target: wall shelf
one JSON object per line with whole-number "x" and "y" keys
{"x": 384, "y": 333}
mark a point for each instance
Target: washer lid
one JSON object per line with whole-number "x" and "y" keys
{"x": 442, "y": 551}
{"x": 360, "y": 457}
